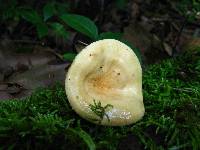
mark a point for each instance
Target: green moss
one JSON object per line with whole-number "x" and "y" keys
{"x": 172, "y": 119}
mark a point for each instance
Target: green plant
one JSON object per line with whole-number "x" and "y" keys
{"x": 45, "y": 22}
{"x": 100, "y": 110}
{"x": 84, "y": 136}
{"x": 8, "y": 10}
{"x": 121, "y": 3}
{"x": 81, "y": 24}
{"x": 190, "y": 9}
{"x": 87, "y": 27}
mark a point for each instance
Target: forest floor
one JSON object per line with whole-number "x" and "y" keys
{"x": 171, "y": 91}
{"x": 35, "y": 113}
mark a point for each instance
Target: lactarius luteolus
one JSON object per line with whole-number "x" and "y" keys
{"x": 104, "y": 84}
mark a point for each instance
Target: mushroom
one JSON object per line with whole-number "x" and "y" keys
{"x": 104, "y": 84}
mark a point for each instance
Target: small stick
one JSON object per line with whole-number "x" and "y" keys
{"x": 82, "y": 43}
{"x": 178, "y": 36}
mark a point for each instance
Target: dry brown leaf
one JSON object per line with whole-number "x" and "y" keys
{"x": 168, "y": 48}
{"x": 40, "y": 76}
{"x": 5, "y": 96}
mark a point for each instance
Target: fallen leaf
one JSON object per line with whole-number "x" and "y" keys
{"x": 149, "y": 44}
{"x": 40, "y": 76}
{"x": 5, "y": 96}
{"x": 3, "y": 86}
{"x": 1, "y": 77}
{"x": 13, "y": 89}
{"x": 23, "y": 73}
{"x": 168, "y": 48}
{"x": 138, "y": 36}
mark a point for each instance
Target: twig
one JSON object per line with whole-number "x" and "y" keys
{"x": 82, "y": 43}
{"x": 56, "y": 54}
{"x": 184, "y": 90}
{"x": 26, "y": 41}
{"x": 101, "y": 12}
{"x": 178, "y": 36}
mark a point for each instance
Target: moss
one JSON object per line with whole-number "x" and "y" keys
{"x": 171, "y": 96}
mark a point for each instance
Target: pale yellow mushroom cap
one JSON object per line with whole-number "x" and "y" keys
{"x": 107, "y": 71}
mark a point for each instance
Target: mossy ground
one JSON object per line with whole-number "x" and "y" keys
{"x": 172, "y": 119}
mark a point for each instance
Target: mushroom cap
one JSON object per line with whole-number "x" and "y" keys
{"x": 109, "y": 72}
